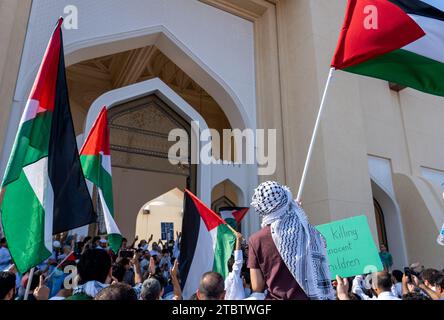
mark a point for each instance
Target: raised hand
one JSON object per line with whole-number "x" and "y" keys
{"x": 342, "y": 288}
{"x": 42, "y": 291}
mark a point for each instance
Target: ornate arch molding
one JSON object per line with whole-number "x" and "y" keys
{"x": 139, "y": 135}
{"x": 133, "y": 93}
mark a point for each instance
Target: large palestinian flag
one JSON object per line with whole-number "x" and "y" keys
{"x": 401, "y": 41}
{"x": 207, "y": 243}
{"x": 96, "y": 164}
{"x": 44, "y": 190}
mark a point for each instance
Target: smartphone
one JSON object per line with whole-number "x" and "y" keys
{"x": 408, "y": 273}
{"x": 126, "y": 254}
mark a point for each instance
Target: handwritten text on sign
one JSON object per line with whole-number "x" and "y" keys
{"x": 350, "y": 247}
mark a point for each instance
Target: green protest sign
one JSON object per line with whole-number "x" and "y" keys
{"x": 350, "y": 247}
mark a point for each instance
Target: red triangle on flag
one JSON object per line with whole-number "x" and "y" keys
{"x": 44, "y": 88}
{"x": 240, "y": 214}
{"x": 98, "y": 138}
{"x": 211, "y": 219}
{"x": 373, "y": 28}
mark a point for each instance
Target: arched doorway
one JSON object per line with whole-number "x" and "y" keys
{"x": 139, "y": 131}
{"x": 389, "y": 224}
{"x": 380, "y": 224}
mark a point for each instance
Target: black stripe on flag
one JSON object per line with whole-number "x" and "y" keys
{"x": 419, "y": 8}
{"x": 73, "y": 206}
{"x": 190, "y": 235}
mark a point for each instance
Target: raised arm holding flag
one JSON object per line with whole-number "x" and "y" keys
{"x": 44, "y": 191}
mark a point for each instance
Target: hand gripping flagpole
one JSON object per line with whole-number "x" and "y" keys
{"x": 313, "y": 137}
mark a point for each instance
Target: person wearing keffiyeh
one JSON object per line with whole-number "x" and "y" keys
{"x": 304, "y": 273}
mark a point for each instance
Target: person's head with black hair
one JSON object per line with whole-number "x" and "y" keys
{"x": 211, "y": 287}
{"x": 124, "y": 243}
{"x": 165, "y": 252}
{"x": 125, "y": 263}
{"x": 96, "y": 241}
{"x": 397, "y": 274}
{"x": 439, "y": 286}
{"x": 7, "y": 285}
{"x": 428, "y": 276}
{"x": 3, "y": 243}
{"x": 159, "y": 277}
{"x": 117, "y": 291}
{"x": 151, "y": 289}
{"x": 94, "y": 265}
{"x": 118, "y": 271}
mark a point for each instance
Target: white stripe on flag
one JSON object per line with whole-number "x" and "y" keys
{"x": 111, "y": 226}
{"x": 432, "y": 44}
{"x": 106, "y": 162}
{"x": 37, "y": 175}
{"x": 203, "y": 259}
{"x": 30, "y": 111}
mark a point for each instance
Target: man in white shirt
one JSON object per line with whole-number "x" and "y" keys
{"x": 234, "y": 286}
{"x": 5, "y": 256}
{"x": 382, "y": 285}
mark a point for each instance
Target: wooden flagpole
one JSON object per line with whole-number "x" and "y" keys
{"x": 314, "y": 135}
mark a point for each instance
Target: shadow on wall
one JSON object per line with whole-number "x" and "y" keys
{"x": 421, "y": 209}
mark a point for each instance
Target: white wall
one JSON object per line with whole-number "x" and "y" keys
{"x": 223, "y": 42}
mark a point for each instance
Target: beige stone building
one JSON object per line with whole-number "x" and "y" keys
{"x": 160, "y": 64}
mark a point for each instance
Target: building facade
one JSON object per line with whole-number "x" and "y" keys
{"x": 236, "y": 64}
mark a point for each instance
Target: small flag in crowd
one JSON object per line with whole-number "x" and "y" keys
{"x": 95, "y": 157}
{"x": 207, "y": 242}
{"x": 234, "y": 213}
{"x": 44, "y": 189}
{"x": 401, "y": 41}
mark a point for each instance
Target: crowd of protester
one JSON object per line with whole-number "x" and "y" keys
{"x": 149, "y": 271}
{"x": 285, "y": 260}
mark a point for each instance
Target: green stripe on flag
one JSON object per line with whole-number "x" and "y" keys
{"x": 405, "y": 68}
{"x": 225, "y": 242}
{"x": 23, "y": 219}
{"x": 30, "y": 146}
{"x": 94, "y": 172}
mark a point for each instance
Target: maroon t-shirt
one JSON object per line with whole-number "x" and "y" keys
{"x": 264, "y": 255}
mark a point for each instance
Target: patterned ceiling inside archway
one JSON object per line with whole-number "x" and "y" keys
{"x": 89, "y": 79}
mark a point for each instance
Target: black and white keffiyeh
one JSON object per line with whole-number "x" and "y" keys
{"x": 300, "y": 245}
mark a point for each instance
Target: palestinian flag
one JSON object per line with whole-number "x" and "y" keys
{"x": 44, "y": 190}
{"x": 233, "y": 214}
{"x": 206, "y": 245}
{"x": 96, "y": 164}
{"x": 401, "y": 41}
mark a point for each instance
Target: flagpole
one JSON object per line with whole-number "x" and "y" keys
{"x": 62, "y": 262}
{"x": 314, "y": 135}
{"x": 231, "y": 228}
{"x": 28, "y": 285}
